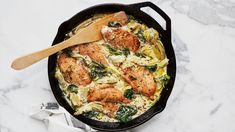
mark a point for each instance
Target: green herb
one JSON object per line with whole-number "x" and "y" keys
{"x": 125, "y": 113}
{"x": 110, "y": 48}
{"x": 116, "y": 53}
{"x": 114, "y": 24}
{"x": 126, "y": 51}
{"x": 130, "y": 17}
{"x": 91, "y": 114}
{"x": 152, "y": 68}
{"x": 141, "y": 55}
{"x": 73, "y": 88}
{"x": 140, "y": 35}
{"x": 129, "y": 93}
{"x": 97, "y": 70}
{"x": 113, "y": 51}
{"x": 164, "y": 80}
{"x": 68, "y": 52}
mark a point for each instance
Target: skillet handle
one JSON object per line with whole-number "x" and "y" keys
{"x": 159, "y": 11}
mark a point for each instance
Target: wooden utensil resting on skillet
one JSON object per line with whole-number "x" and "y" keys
{"x": 88, "y": 34}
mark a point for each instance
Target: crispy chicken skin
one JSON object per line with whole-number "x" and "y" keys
{"x": 106, "y": 94}
{"x": 120, "y": 38}
{"x": 73, "y": 71}
{"x": 141, "y": 80}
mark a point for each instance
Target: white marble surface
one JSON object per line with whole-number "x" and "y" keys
{"x": 203, "y": 99}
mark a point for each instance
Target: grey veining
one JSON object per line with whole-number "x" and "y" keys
{"x": 219, "y": 12}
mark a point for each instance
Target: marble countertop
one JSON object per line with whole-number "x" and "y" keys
{"x": 203, "y": 35}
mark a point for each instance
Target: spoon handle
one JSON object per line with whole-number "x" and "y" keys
{"x": 27, "y": 60}
{"x": 88, "y": 34}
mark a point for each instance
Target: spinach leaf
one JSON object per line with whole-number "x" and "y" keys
{"x": 140, "y": 35}
{"x": 152, "y": 68}
{"x": 72, "y": 88}
{"x": 130, "y": 17}
{"x": 141, "y": 55}
{"x": 97, "y": 70}
{"x": 126, "y": 51}
{"x": 91, "y": 114}
{"x": 110, "y": 48}
{"x": 114, "y": 24}
{"x": 128, "y": 93}
{"x": 113, "y": 51}
{"x": 164, "y": 80}
{"x": 125, "y": 113}
{"x": 68, "y": 52}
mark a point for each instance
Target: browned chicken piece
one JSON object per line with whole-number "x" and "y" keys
{"x": 94, "y": 52}
{"x": 141, "y": 80}
{"x": 110, "y": 108}
{"x": 73, "y": 71}
{"x": 120, "y": 17}
{"x": 106, "y": 94}
{"x": 119, "y": 38}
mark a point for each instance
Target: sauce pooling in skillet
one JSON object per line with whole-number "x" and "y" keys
{"x": 117, "y": 78}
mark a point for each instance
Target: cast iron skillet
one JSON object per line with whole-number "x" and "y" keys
{"x": 133, "y": 9}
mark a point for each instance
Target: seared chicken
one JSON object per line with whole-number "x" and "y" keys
{"x": 120, "y": 38}
{"x": 106, "y": 94}
{"x": 114, "y": 75}
{"x": 93, "y": 51}
{"x": 141, "y": 80}
{"x": 73, "y": 71}
{"x": 110, "y": 108}
{"x": 120, "y": 17}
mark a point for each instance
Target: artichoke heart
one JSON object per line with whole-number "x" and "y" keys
{"x": 153, "y": 51}
{"x": 75, "y": 99}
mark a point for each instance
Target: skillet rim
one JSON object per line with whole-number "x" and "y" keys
{"x": 155, "y": 109}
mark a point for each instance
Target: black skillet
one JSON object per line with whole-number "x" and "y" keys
{"x": 132, "y": 9}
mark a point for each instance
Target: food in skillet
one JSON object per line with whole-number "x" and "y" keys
{"x": 117, "y": 78}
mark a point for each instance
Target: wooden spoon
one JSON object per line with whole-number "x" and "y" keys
{"x": 88, "y": 34}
